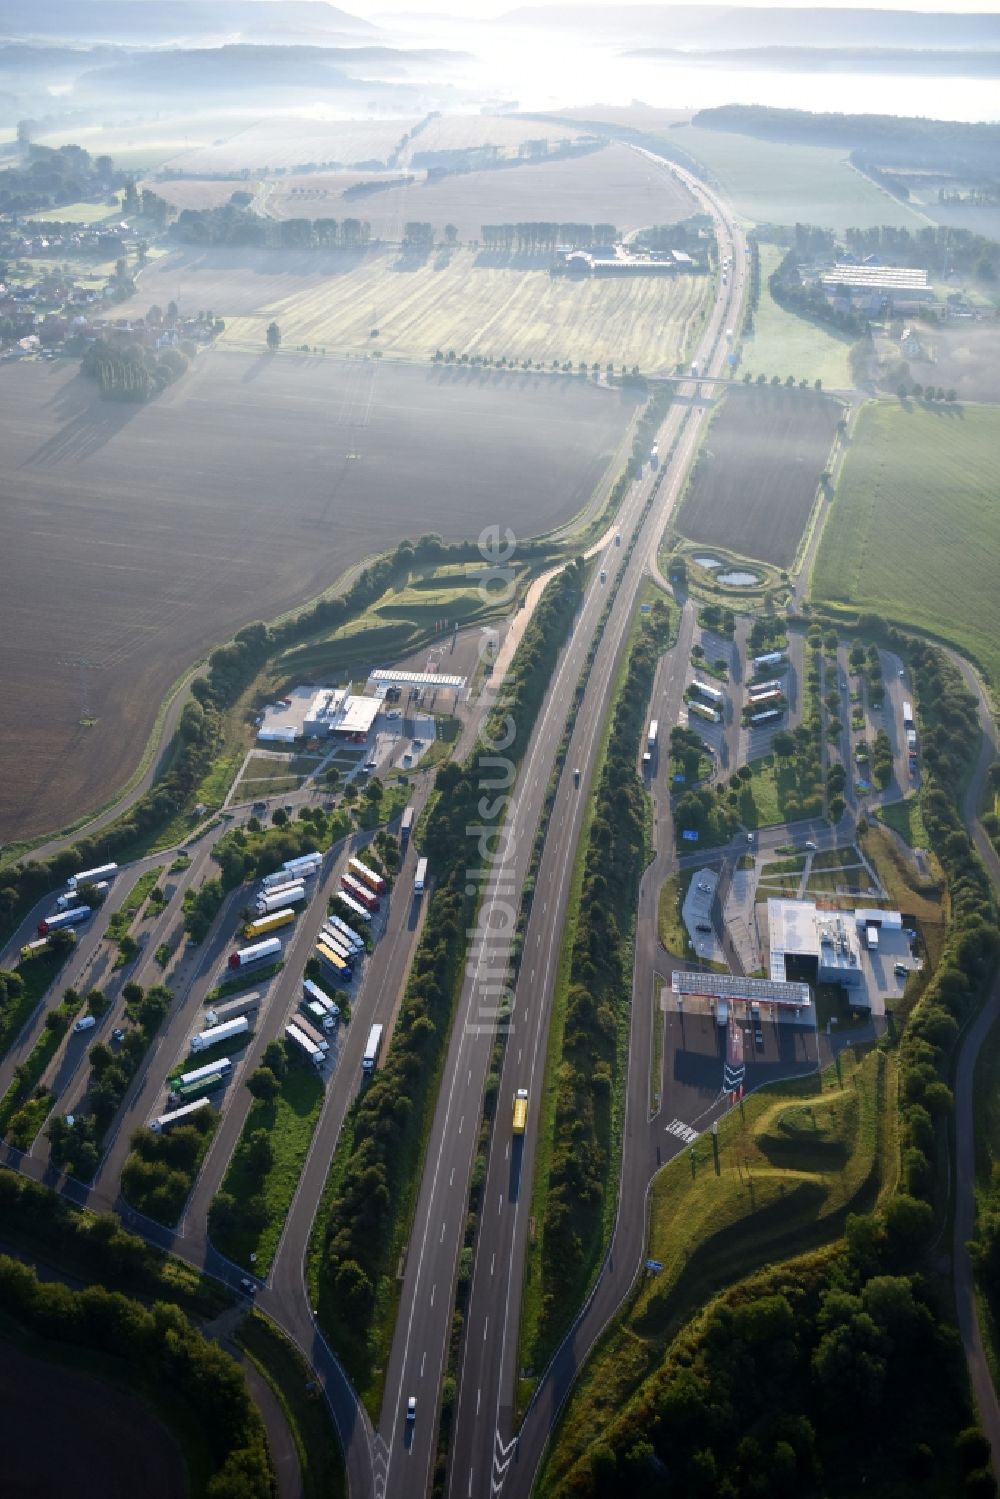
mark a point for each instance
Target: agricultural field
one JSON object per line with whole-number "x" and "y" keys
{"x": 614, "y": 185}
{"x": 294, "y": 140}
{"x": 119, "y": 1431}
{"x": 209, "y": 192}
{"x": 134, "y": 538}
{"x": 507, "y": 132}
{"x": 914, "y": 530}
{"x": 756, "y": 476}
{"x": 782, "y": 343}
{"x": 769, "y": 182}
{"x": 458, "y": 301}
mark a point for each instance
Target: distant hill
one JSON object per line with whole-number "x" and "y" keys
{"x": 712, "y": 26}
{"x": 889, "y": 140}
{"x": 265, "y": 66}
{"x": 175, "y": 20}
{"x": 936, "y": 61}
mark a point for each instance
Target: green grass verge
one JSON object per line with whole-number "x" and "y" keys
{"x": 673, "y": 932}
{"x": 306, "y": 1411}
{"x": 913, "y": 532}
{"x": 20, "y": 1120}
{"x": 792, "y": 1161}
{"x": 36, "y": 977}
{"x": 783, "y": 343}
{"x": 289, "y": 1121}
{"x": 906, "y": 819}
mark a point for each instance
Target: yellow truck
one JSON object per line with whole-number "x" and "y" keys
{"x": 520, "y": 1110}
{"x": 266, "y": 924}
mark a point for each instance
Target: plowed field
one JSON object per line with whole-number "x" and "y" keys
{"x": 134, "y": 538}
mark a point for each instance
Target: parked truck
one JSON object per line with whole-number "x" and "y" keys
{"x": 355, "y": 941}
{"x": 362, "y": 871}
{"x": 257, "y": 952}
{"x": 92, "y": 876}
{"x": 317, "y": 1014}
{"x": 73, "y": 898}
{"x": 354, "y": 906}
{"x": 360, "y": 892}
{"x": 315, "y": 1035}
{"x": 178, "y": 1116}
{"x": 316, "y": 995}
{"x": 277, "y": 900}
{"x": 271, "y": 923}
{"x": 280, "y": 880}
{"x": 304, "y": 866}
{"x": 59, "y": 919}
{"x": 238, "y": 1026}
{"x": 299, "y": 1038}
{"x": 245, "y": 1004}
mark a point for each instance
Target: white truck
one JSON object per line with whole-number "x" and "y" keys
{"x": 239, "y": 1026}
{"x": 181, "y": 1115}
{"x": 276, "y": 900}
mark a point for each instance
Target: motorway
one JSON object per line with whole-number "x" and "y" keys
{"x": 482, "y": 1434}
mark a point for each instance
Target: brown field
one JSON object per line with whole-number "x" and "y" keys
{"x": 103, "y": 1436}
{"x": 294, "y": 141}
{"x": 137, "y": 537}
{"x": 466, "y": 132}
{"x": 461, "y": 300}
{"x": 612, "y": 186}
{"x": 191, "y": 192}
{"x": 756, "y": 476}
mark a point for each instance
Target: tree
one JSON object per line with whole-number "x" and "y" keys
{"x": 273, "y": 337}
{"x": 259, "y": 1152}
{"x": 783, "y": 745}
{"x": 263, "y": 1084}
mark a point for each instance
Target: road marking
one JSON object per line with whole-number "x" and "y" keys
{"x": 682, "y": 1131}
{"x": 500, "y": 1204}
{"x": 451, "y": 1179}
{"x": 423, "y": 1359}
{"x": 479, "y": 1398}
{"x": 486, "y": 1328}
{"x": 433, "y": 1289}
{"x": 442, "y": 1233}
{"x": 493, "y": 1261}
{"x": 460, "y": 1123}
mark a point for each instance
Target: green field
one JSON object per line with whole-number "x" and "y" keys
{"x": 772, "y": 183}
{"x": 914, "y": 529}
{"x": 79, "y": 213}
{"x": 790, "y": 1164}
{"x": 785, "y": 344}
{"x": 262, "y": 1199}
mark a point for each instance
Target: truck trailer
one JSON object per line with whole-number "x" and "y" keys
{"x": 92, "y": 876}
{"x": 315, "y": 1035}
{"x": 406, "y": 826}
{"x": 654, "y": 729}
{"x": 338, "y": 966}
{"x": 244, "y": 1004}
{"x": 299, "y": 1038}
{"x": 279, "y": 880}
{"x": 354, "y": 906}
{"x": 362, "y": 871}
{"x": 359, "y": 891}
{"x": 520, "y": 1111}
{"x": 714, "y": 694}
{"x": 318, "y": 996}
{"x": 199, "y": 1074}
{"x": 280, "y": 898}
{"x": 238, "y": 1026}
{"x": 60, "y": 919}
{"x": 420, "y": 878}
{"x": 352, "y": 936}
{"x": 74, "y": 898}
{"x": 372, "y": 1049}
{"x": 258, "y": 952}
{"x": 304, "y": 866}
{"x": 273, "y": 922}
{"x": 178, "y": 1116}
{"x": 317, "y": 1014}
{"x": 703, "y": 711}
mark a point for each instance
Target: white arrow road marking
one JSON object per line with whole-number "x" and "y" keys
{"x": 502, "y": 1454}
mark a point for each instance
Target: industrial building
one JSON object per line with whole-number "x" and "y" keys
{"x": 861, "y": 950}
{"x": 876, "y": 288}
{"x": 308, "y": 713}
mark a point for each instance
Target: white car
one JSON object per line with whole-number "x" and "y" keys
{"x": 811, "y": 846}
{"x": 411, "y": 1408}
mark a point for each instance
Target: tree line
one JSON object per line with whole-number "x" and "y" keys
{"x": 165, "y": 1356}
{"x": 600, "y": 990}
{"x": 536, "y": 235}
{"x": 126, "y": 371}
{"x": 378, "y": 1157}
{"x": 233, "y": 225}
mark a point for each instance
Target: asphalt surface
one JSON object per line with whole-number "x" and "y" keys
{"x": 484, "y": 1448}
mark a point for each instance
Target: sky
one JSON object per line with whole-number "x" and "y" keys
{"x": 372, "y": 10}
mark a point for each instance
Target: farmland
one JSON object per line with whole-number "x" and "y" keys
{"x": 133, "y": 538}
{"x": 287, "y": 141}
{"x": 756, "y": 475}
{"x": 614, "y": 185}
{"x": 772, "y": 183}
{"x": 784, "y": 344}
{"x": 914, "y": 531}
{"x": 460, "y": 301}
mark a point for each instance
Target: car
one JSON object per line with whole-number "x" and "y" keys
{"x": 576, "y": 776}
{"x": 902, "y": 673}
{"x": 118, "y": 1035}
{"x": 289, "y": 809}
{"x": 260, "y": 806}
{"x": 411, "y": 1408}
{"x": 418, "y": 744}
{"x": 900, "y": 970}
{"x": 702, "y": 926}
{"x": 704, "y": 887}
{"x": 749, "y": 837}
{"x": 371, "y": 765}
{"x": 811, "y": 846}
{"x": 246, "y": 1284}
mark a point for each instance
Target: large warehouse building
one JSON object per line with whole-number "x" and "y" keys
{"x": 861, "y": 950}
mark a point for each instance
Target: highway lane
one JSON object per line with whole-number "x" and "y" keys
{"x": 481, "y": 1441}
